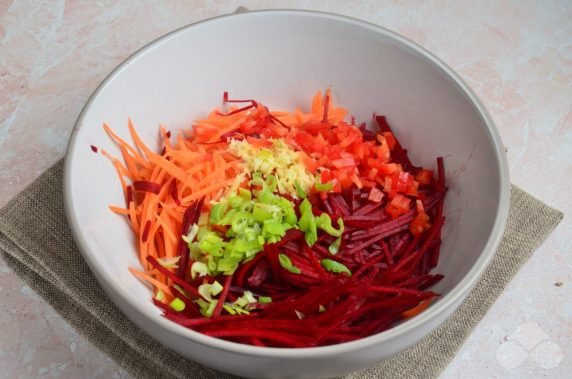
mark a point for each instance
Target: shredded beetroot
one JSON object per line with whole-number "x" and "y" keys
{"x": 146, "y": 229}
{"x": 389, "y": 260}
{"x": 146, "y": 186}
{"x": 93, "y": 148}
{"x": 174, "y": 192}
{"x": 190, "y": 217}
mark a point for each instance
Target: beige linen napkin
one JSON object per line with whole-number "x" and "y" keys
{"x": 36, "y": 242}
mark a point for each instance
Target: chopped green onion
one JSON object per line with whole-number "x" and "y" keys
{"x": 286, "y": 263}
{"x": 324, "y": 222}
{"x": 181, "y": 289}
{"x": 217, "y": 212}
{"x": 160, "y": 295}
{"x": 199, "y": 268}
{"x": 229, "y": 309}
{"x": 227, "y": 265}
{"x": 264, "y": 299}
{"x": 177, "y": 305}
{"x": 190, "y": 237}
{"x": 245, "y": 194}
{"x": 249, "y": 297}
{"x": 333, "y": 266}
{"x": 207, "y": 291}
{"x": 323, "y": 187}
{"x": 211, "y": 308}
{"x": 169, "y": 262}
{"x": 299, "y": 191}
{"x": 240, "y": 221}
{"x": 321, "y": 308}
{"x": 335, "y": 246}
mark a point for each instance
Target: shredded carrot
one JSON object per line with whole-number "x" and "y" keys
{"x": 148, "y": 278}
{"x": 417, "y": 309}
{"x": 119, "y": 210}
{"x": 200, "y": 165}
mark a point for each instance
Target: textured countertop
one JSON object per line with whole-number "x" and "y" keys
{"x": 517, "y": 56}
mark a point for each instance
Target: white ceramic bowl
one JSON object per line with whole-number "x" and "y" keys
{"x": 281, "y": 58}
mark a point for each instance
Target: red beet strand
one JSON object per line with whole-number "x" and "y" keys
{"x": 146, "y": 230}
{"x": 222, "y": 297}
{"x": 192, "y": 291}
{"x": 174, "y": 192}
{"x": 190, "y": 217}
{"x": 146, "y": 186}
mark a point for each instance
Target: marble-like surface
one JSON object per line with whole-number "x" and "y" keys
{"x": 517, "y": 55}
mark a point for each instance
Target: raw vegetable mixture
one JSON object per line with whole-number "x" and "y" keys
{"x": 284, "y": 229}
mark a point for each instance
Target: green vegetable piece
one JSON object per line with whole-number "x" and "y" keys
{"x": 217, "y": 212}
{"x": 324, "y": 223}
{"x": 250, "y": 233}
{"x": 274, "y": 228}
{"x": 211, "y": 243}
{"x": 227, "y": 219}
{"x": 195, "y": 252}
{"x": 203, "y": 305}
{"x": 249, "y": 297}
{"x": 172, "y": 262}
{"x": 235, "y": 201}
{"x": 177, "y": 305}
{"x": 211, "y": 264}
{"x": 229, "y": 309}
{"x": 321, "y": 308}
{"x": 288, "y": 212}
{"x": 286, "y": 263}
{"x": 260, "y": 240}
{"x": 216, "y": 288}
{"x": 181, "y": 290}
{"x": 208, "y": 290}
{"x": 190, "y": 237}
{"x": 265, "y": 196}
{"x": 307, "y": 223}
{"x": 160, "y": 295}
{"x": 199, "y": 268}
{"x": 323, "y": 187}
{"x": 272, "y": 182}
{"x": 227, "y": 265}
{"x": 337, "y": 267}
{"x": 334, "y": 247}
{"x": 262, "y": 212}
{"x": 243, "y": 245}
{"x": 273, "y": 239}
{"x": 209, "y": 311}
{"x": 245, "y": 194}
{"x": 240, "y": 221}
{"x": 205, "y": 291}
{"x": 264, "y": 299}
{"x": 257, "y": 179}
{"x": 299, "y": 191}
{"x": 305, "y": 206}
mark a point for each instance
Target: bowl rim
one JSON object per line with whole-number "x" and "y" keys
{"x": 455, "y": 296}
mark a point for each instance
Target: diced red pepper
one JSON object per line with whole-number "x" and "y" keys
{"x": 375, "y": 195}
{"x": 390, "y": 139}
{"x": 398, "y": 206}
{"x": 424, "y": 176}
{"x": 419, "y": 224}
{"x": 343, "y": 162}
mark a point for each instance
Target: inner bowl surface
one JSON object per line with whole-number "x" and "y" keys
{"x": 281, "y": 58}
